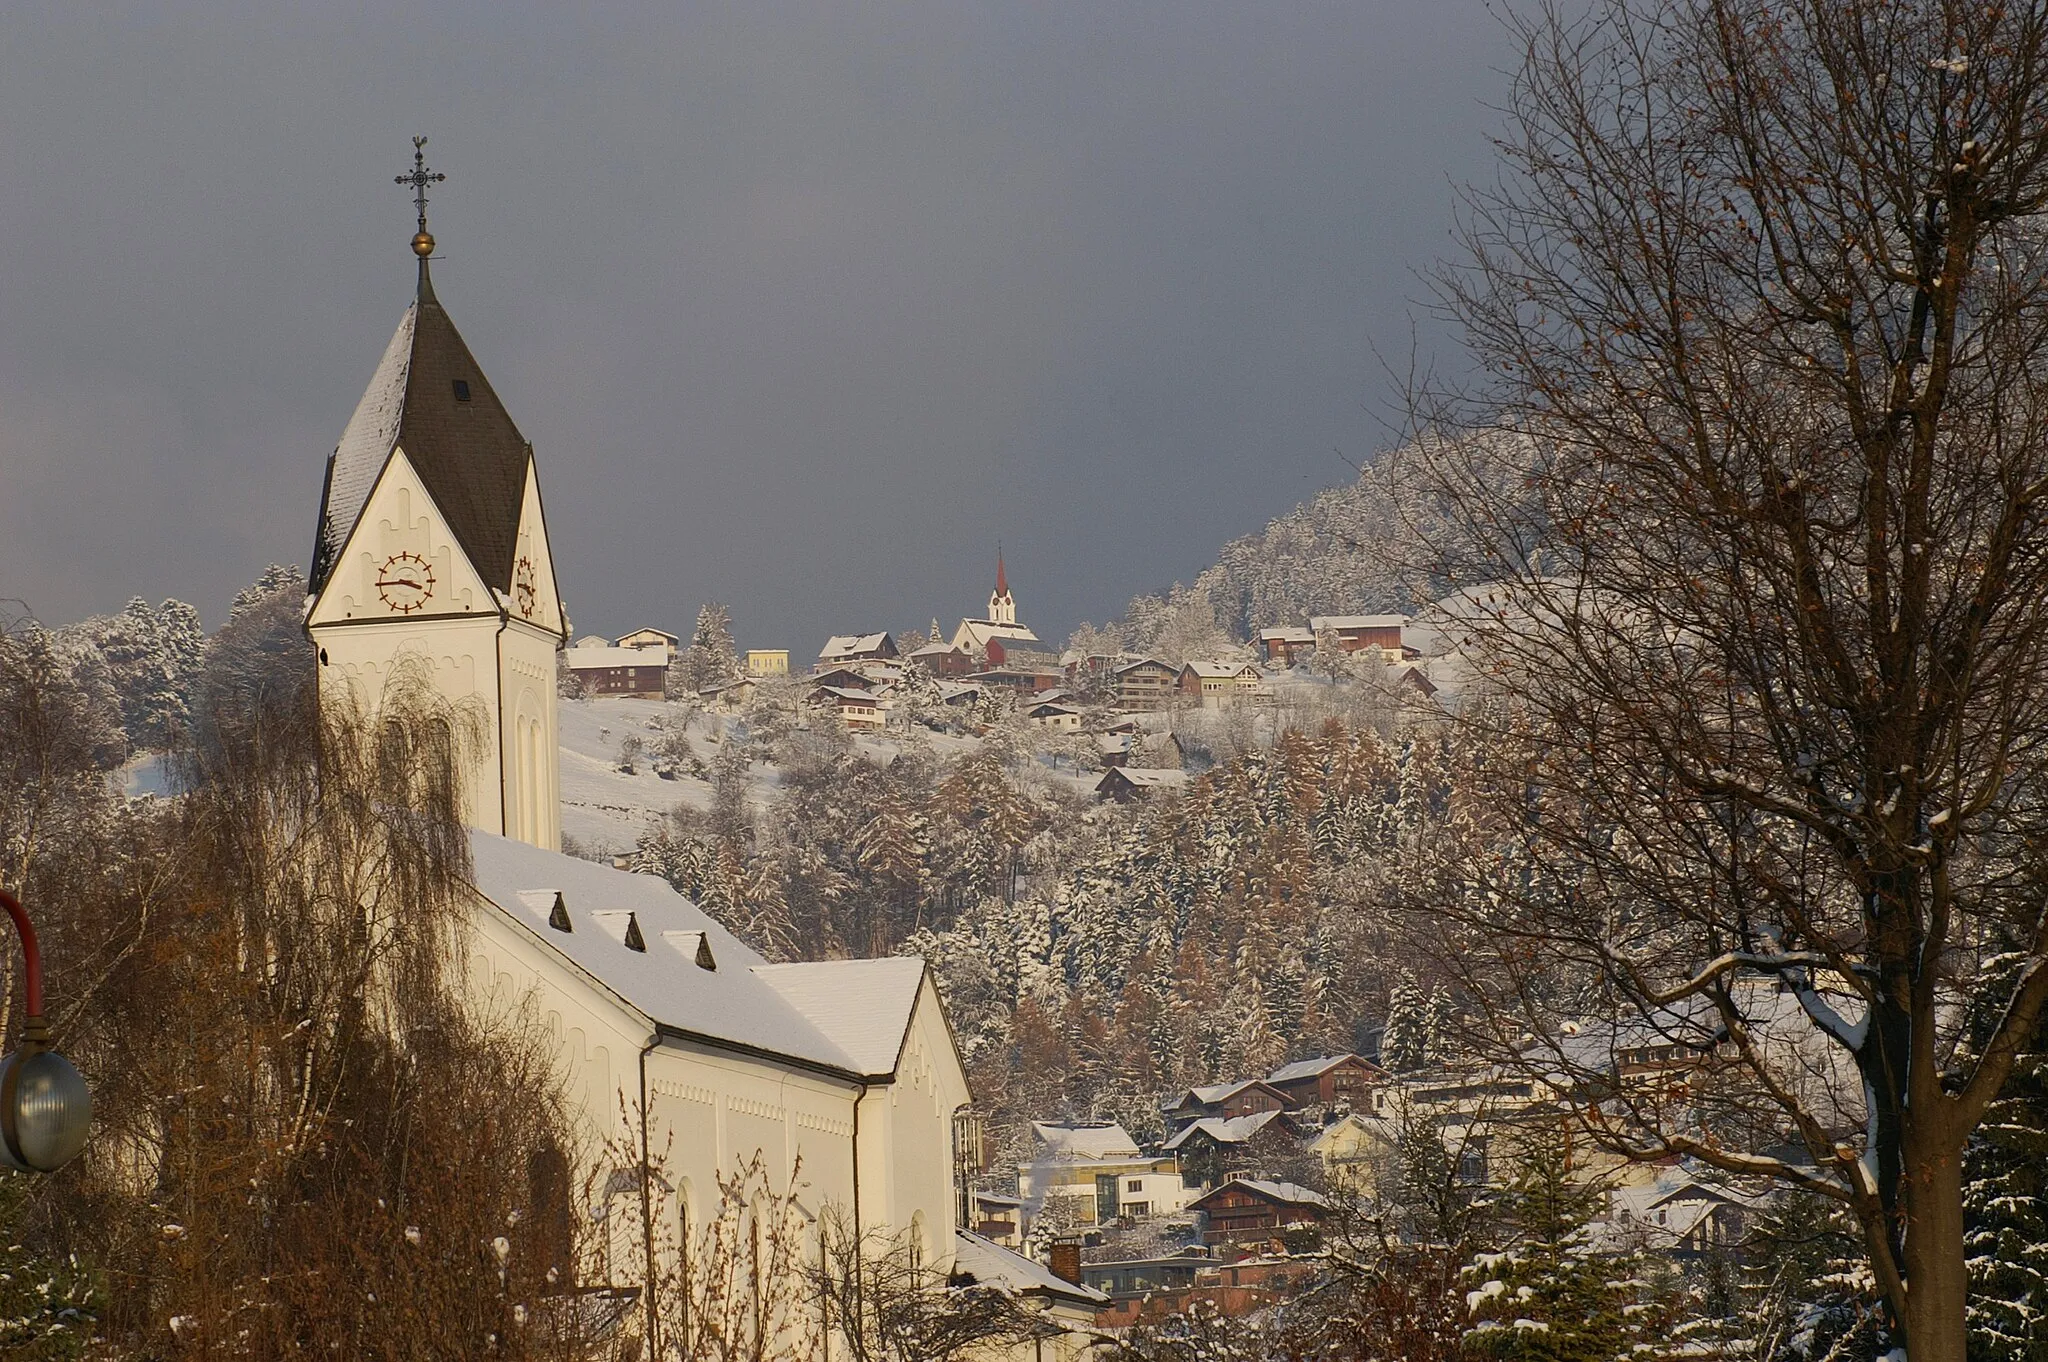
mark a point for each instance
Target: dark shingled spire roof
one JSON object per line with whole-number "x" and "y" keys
{"x": 470, "y": 455}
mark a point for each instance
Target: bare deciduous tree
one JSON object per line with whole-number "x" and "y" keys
{"x": 1763, "y": 288}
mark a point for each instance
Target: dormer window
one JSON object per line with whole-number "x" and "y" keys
{"x": 462, "y": 390}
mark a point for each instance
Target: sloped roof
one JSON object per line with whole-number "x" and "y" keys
{"x": 1309, "y": 1068}
{"x": 1083, "y": 1142}
{"x": 988, "y": 1263}
{"x": 1225, "y": 1130}
{"x": 863, "y": 1005}
{"x": 1321, "y": 622}
{"x": 469, "y": 454}
{"x": 1210, "y": 1094}
{"x": 834, "y": 1014}
{"x": 852, "y": 645}
{"x": 1286, "y": 1193}
{"x": 1144, "y": 777}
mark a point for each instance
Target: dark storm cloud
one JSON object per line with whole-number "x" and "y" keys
{"x": 803, "y": 308}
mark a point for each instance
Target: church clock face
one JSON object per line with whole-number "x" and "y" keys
{"x": 405, "y": 582}
{"x": 524, "y": 592}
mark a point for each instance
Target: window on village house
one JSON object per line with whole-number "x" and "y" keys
{"x": 1134, "y": 1185}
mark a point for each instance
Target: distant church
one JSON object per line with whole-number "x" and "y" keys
{"x": 432, "y": 543}
{"x": 972, "y": 636}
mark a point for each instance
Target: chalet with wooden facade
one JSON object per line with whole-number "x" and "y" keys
{"x": 1253, "y": 1210}
{"x": 1244, "y": 1098}
{"x": 1327, "y": 1080}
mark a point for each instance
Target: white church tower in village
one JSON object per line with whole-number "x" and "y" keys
{"x": 432, "y": 543}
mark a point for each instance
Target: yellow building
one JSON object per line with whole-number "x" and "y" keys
{"x": 767, "y": 662}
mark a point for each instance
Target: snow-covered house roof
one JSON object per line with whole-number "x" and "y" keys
{"x": 1225, "y": 1130}
{"x": 1221, "y": 671}
{"x": 1318, "y": 623}
{"x": 835, "y": 1015}
{"x": 1287, "y": 634}
{"x": 846, "y": 695}
{"x": 1145, "y": 777}
{"x": 984, "y": 1262}
{"x": 1307, "y": 1068}
{"x": 1082, "y": 1142}
{"x": 1284, "y": 1193}
{"x": 846, "y": 647}
{"x": 1212, "y": 1094}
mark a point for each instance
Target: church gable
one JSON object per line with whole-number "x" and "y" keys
{"x": 534, "y": 597}
{"x": 430, "y": 396}
{"x": 402, "y": 561}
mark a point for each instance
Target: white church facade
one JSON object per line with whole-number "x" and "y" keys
{"x": 674, "y": 1038}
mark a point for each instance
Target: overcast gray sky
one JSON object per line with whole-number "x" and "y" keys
{"x": 803, "y": 307}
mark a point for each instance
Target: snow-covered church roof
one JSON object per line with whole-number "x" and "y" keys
{"x": 846, "y": 1016}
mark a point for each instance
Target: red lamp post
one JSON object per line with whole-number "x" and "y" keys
{"x": 45, "y": 1106}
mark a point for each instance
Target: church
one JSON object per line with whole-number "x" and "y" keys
{"x": 432, "y": 556}
{"x": 972, "y": 637}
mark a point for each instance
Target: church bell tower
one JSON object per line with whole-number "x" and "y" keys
{"x": 1002, "y": 606}
{"x": 432, "y": 545}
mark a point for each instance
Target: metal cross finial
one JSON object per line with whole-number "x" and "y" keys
{"x": 420, "y": 178}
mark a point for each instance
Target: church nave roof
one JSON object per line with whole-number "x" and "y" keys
{"x": 640, "y": 939}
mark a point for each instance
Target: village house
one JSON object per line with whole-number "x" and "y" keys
{"x": 1243, "y": 1098}
{"x": 1287, "y": 646}
{"x": 1098, "y": 1173}
{"x": 1061, "y": 1300}
{"x": 857, "y": 709}
{"x": 1355, "y": 1151}
{"x": 604, "y": 669}
{"x": 1054, "y": 717}
{"x": 731, "y": 697}
{"x": 943, "y": 659}
{"x": 1012, "y": 654}
{"x": 767, "y": 662}
{"x": 1113, "y": 750}
{"x": 1146, "y": 684}
{"x": 1125, "y": 1279}
{"x": 1220, "y": 685}
{"x": 1126, "y": 783}
{"x": 1213, "y": 1148}
{"x": 999, "y": 1218}
{"x": 654, "y": 640}
{"x": 843, "y": 648}
{"x": 1358, "y": 633}
{"x": 1327, "y": 1080}
{"x": 1255, "y": 1211}
{"x": 1677, "y": 1216}
{"x": 1023, "y": 680}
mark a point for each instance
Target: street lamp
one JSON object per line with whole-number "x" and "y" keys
{"x": 45, "y": 1107}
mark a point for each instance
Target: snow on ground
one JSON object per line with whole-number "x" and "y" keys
{"x": 602, "y": 807}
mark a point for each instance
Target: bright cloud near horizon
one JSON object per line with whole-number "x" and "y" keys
{"x": 804, "y": 308}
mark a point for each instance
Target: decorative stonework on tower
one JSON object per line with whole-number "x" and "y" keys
{"x": 432, "y": 544}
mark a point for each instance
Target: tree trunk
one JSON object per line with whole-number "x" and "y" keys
{"x": 1937, "y": 1283}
